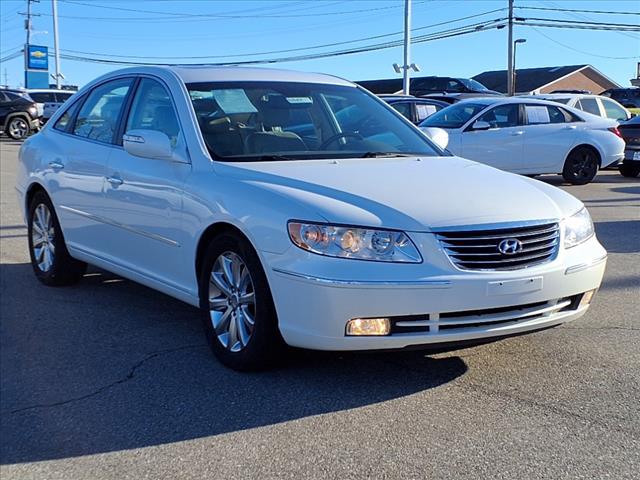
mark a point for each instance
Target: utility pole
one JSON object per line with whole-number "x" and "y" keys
{"x": 510, "y": 91}
{"x": 27, "y": 22}
{"x": 407, "y": 46}
{"x": 54, "y": 6}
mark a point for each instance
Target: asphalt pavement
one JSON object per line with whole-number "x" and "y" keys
{"x": 111, "y": 380}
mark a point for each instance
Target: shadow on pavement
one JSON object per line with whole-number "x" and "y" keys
{"x": 619, "y": 237}
{"x": 110, "y": 365}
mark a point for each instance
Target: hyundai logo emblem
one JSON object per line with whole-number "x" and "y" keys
{"x": 510, "y": 246}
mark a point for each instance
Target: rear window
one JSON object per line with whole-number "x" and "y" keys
{"x": 589, "y": 105}
{"x": 42, "y": 97}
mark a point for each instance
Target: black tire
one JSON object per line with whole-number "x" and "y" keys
{"x": 264, "y": 344}
{"x": 61, "y": 269}
{"x": 18, "y": 128}
{"x": 627, "y": 170}
{"x": 581, "y": 166}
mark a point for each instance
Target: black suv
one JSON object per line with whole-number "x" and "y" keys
{"x": 18, "y": 114}
{"x": 627, "y": 97}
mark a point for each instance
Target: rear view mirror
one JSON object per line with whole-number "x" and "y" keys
{"x": 481, "y": 125}
{"x": 148, "y": 144}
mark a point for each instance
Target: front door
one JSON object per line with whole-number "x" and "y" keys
{"x": 501, "y": 145}
{"x": 143, "y": 199}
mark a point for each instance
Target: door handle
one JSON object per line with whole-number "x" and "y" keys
{"x": 570, "y": 127}
{"x": 115, "y": 181}
{"x": 519, "y": 132}
{"x": 56, "y": 165}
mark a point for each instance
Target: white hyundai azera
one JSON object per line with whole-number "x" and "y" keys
{"x": 298, "y": 209}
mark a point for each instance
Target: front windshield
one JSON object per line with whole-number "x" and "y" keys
{"x": 245, "y": 121}
{"x": 454, "y": 116}
{"x": 473, "y": 84}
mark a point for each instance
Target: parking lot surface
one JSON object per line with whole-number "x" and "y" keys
{"x": 109, "y": 379}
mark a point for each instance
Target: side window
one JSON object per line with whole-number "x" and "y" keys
{"x": 98, "y": 117}
{"x": 42, "y": 97}
{"x": 537, "y": 114}
{"x": 424, "y": 110}
{"x": 502, "y": 116}
{"x": 152, "y": 109}
{"x": 613, "y": 110}
{"x": 455, "y": 86}
{"x": 63, "y": 122}
{"x": 3, "y": 97}
{"x": 404, "y": 108}
{"x": 557, "y": 115}
{"x": 589, "y": 105}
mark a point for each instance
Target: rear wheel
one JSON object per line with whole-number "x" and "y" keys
{"x": 627, "y": 170}
{"x": 50, "y": 258}
{"x": 18, "y": 128}
{"x": 581, "y": 166}
{"x": 238, "y": 311}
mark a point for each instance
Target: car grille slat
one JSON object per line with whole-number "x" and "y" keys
{"x": 479, "y": 249}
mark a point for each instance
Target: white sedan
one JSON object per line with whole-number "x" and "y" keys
{"x": 528, "y": 136}
{"x": 297, "y": 209}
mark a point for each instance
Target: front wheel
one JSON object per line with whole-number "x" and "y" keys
{"x": 18, "y": 128}
{"x": 627, "y": 170}
{"x": 50, "y": 258}
{"x": 238, "y": 312}
{"x": 581, "y": 166}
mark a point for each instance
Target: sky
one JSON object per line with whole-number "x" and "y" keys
{"x": 235, "y": 30}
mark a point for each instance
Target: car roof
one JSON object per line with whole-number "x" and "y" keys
{"x": 493, "y": 100}
{"x": 562, "y": 95}
{"x": 194, "y": 74}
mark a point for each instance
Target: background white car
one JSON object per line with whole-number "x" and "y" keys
{"x": 594, "y": 104}
{"x": 48, "y": 100}
{"x": 529, "y": 137}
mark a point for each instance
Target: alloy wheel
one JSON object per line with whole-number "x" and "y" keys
{"x": 584, "y": 165}
{"x": 232, "y": 304}
{"x": 43, "y": 237}
{"x": 18, "y": 128}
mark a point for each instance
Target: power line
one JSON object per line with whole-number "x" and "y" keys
{"x": 580, "y": 27}
{"x": 578, "y": 10}
{"x": 312, "y": 47}
{"x": 368, "y": 48}
{"x": 581, "y": 51}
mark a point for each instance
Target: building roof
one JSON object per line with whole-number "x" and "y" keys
{"x": 531, "y": 79}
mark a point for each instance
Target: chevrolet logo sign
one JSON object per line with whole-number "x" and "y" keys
{"x": 38, "y": 54}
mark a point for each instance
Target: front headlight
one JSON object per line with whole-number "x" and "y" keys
{"x": 354, "y": 242}
{"x": 577, "y": 228}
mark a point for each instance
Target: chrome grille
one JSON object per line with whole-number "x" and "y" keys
{"x": 478, "y": 249}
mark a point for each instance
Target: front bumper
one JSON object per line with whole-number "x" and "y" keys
{"x": 452, "y": 306}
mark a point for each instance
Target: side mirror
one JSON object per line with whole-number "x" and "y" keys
{"x": 148, "y": 144}
{"x": 480, "y": 125}
{"x": 439, "y": 136}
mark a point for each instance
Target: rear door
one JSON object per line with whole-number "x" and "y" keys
{"x": 501, "y": 145}
{"x": 84, "y": 139}
{"x": 550, "y": 133}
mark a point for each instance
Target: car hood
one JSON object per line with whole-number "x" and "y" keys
{"x": 413, "y": 194}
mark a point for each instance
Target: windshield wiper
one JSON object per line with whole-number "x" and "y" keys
{"x": 385, "y": 154}
{"x": 258, "y": 158}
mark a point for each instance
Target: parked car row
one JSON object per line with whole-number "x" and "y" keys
{"x": 25, "y": 111}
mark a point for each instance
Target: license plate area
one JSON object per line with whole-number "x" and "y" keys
{"x": 510, "y": 287}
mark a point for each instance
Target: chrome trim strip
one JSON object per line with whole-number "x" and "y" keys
{"x": 583, "y": 266}
{"x": 400, "y": 283}
{"x": 96, "y": 218}
{"x": 493, "y": 226}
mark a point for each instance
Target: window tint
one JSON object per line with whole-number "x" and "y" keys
{"x": 63, "y": 97}
{"x": 13, "y": 96}
{"x": 3, "y": 97}
{"x": 404, "y": 108}
{"x": 502, "y": 116}
{"x": 63, "y": 122}
{"x": 152, "y": 109}
{"x": 454, "y": 116}
{"x": 42, "y": 97}
{"x": 613, "y": 110}
{"x": 98, "y": 117}
{"x": 589, "y": 105}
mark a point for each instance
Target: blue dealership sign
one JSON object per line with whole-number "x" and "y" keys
{"x": 37, "y": 57}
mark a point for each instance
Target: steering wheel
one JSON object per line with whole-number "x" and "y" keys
{"x": 333, "y": 138}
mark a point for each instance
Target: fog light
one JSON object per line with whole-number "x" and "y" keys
{"x": 368, "y": 326}
{"x": 586, "y": 298}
